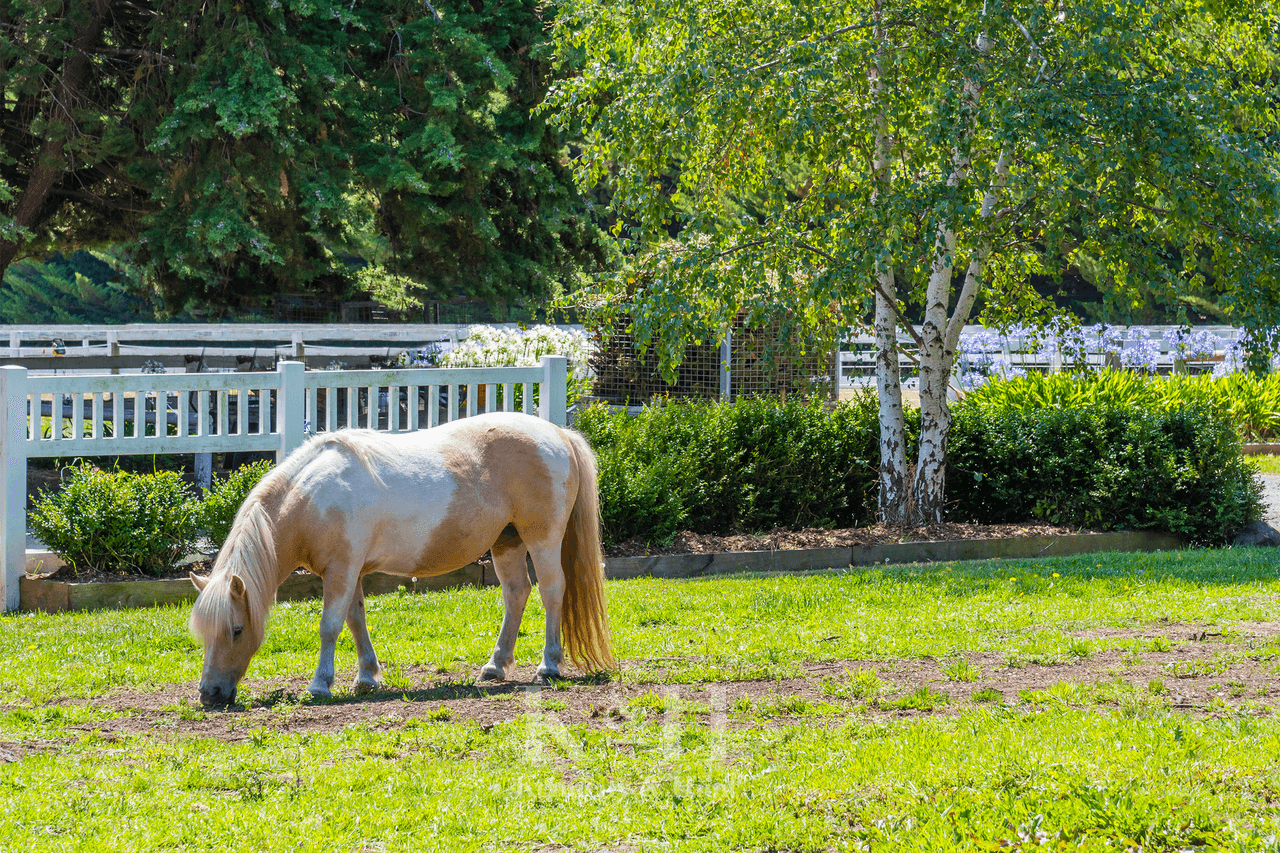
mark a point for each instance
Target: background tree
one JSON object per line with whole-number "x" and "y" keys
{"x": 246, "y": 149}
{"x": 76, "y": 289}
{"x": 947, "y": 149}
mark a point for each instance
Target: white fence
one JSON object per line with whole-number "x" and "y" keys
{"x": 983, "y": 351}
{"x": 200, "y": 413}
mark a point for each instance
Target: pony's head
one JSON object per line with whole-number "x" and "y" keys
{"x": 225, "y": 620}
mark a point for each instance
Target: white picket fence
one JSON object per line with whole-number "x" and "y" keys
{"x": 200, "y": 413}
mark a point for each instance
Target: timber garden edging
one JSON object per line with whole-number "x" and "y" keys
{"x": 58, "y": 596}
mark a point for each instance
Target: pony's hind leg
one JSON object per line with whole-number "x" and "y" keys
{"x": 510, "y": 567}
{"x": 369, "y": 675}
{"x": 551, "y": 583}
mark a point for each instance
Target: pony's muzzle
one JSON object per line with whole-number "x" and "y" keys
{"x": 217, "y": 696}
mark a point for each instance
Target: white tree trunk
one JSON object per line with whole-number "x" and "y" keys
{"x": 941, "y": 335}
{"x": 894, "y": 487}
{"x": 929, "y": 484}
{"x": 894, "y": 477}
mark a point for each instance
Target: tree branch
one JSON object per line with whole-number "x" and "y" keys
{"x": 893, "y": 303}
{"x": 146, "y": 54}
{"x": 823, "y": 38}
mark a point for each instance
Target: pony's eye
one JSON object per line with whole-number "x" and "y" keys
{"x": 236, "y": 632}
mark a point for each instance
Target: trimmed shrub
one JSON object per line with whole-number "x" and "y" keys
{"x": 115, "y": 521}
{"x": 1103, "y": 466}
{"x": 744, "y": 466}
{"x": 218, "y": 510}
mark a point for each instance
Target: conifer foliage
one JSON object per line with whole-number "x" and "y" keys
{"x": 245, "y": 148}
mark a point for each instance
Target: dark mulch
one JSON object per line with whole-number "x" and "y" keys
{"x": 875, "y": 534}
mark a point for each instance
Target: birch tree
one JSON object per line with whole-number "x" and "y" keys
{"x": 909, "y": 156}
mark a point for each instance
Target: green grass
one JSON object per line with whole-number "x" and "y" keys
{"x": 1081, "y": 766}
{"x": 1085, "y": 781}
{"x": 1267, "y": 463}
{"x": 689, "y": 631}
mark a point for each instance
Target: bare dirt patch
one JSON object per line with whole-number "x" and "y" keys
{"x": 1205, "y": 670}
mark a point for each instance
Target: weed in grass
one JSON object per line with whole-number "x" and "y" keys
{"x": 772, "y": 706}
{"x": 1199, "y": 667}
{"x": 553, "y": 705}
{"x": 988, "y": 695}
{"x": 1157, "y": 688}
{"x": 393, "y": 678}
{"x": 922, "y": 699}
{"x": 862, "y": 684}
{"x": 186, "y": 711}
{"x": 650, "y": 704}
{"x": 509, "y": 696}
{"x": 962, "y": 670}
{"x": 1064, "y": 694}
{"x": 1159, "y": 644}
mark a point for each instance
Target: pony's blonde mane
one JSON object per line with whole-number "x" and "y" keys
{"x": 250, "y": 549}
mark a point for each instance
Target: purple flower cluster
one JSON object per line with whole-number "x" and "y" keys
{"x": 981, "y": 356}
{"x": 1191, "y": 345}
{"x": 1141, "y": 353}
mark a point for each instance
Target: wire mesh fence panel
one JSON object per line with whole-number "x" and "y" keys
{"x": 769, "y": 362}
{"x": 761, "y": 362}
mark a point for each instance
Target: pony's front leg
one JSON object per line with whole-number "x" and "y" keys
{"x": 546, "y": 562}
{"x": 369, "y": 675}
{"x": 513, "y": 574}
{"x": 339, "y": 590}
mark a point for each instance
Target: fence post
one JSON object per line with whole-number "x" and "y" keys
{"x": 113, "y": 350}
{"x": 726, "y": 360}
{"x": 13, "y": 495}
{"x": 291, "y": 410}
{"x": 553, "y": 399}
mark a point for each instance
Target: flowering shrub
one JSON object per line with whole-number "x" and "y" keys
{"x": 1190, "y": 345}
{"x": 1141, "y": 353}
{"x": 489, "y": 346}
{"x": 981, "y": 357}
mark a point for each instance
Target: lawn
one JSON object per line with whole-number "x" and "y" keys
{"x": 1097, "y": 702}
{"x": 1267, "y": 463}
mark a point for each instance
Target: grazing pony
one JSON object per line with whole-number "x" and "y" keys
{"x": 417, "y": 504}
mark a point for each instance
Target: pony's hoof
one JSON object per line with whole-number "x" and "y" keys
{"x": 320, "y": 691}
{"x": 361, "y": 688}
{"x": 492, "y": 673}
{"x": 546, "y": 676}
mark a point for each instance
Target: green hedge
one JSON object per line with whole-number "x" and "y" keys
{"x": 1102, "y": 466}
{"x": 748, "y": 465}
{"x": 753, "y": 465}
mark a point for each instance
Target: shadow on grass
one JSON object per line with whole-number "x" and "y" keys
{"x": 442, "y": 692}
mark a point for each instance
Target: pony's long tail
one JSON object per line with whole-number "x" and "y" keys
{"x": 585, "y": 625}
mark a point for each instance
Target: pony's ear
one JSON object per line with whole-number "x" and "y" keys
{"x": 199, "y": 582}
{"x": 237, "y": 586}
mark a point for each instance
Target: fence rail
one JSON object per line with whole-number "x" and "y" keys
{"x": 204, "y": 413}
{"x": 1027, "y": 352}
